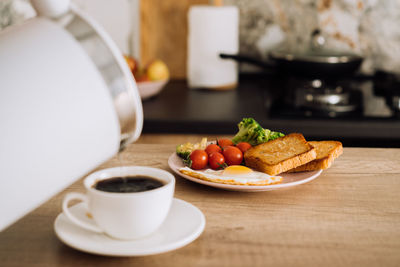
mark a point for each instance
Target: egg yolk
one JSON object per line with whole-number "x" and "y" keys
{"x": 236, "y": 170}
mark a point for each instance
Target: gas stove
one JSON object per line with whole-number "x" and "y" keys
{"x": 350, "y": 98}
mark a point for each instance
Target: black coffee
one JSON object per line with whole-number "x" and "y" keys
{"x": 128, "y": 184}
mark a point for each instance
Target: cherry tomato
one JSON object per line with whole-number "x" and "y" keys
{"x": 211, "y": 148}
{"x": 199, "y": 159}
{"x": 223, "y": 142}
{"x": 216, "y": 160}
{"x": 233, "y": 155}
{"x": 243, "y": 146}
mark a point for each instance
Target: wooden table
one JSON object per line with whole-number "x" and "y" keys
{"x": 349, "y": 216}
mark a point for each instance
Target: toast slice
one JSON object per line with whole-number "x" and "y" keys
{"x": 280, "y": 155}
{"x": 327, "y": 152}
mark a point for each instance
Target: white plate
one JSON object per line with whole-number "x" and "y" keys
{"x": 289, "y": 179}
{"x": 184, "y": 224}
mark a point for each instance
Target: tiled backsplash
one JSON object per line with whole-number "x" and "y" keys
{"x": 367, "y": 27}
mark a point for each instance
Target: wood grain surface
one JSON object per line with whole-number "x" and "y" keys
{"x": 163, "y": 33}
{"x": 348, "y": 216}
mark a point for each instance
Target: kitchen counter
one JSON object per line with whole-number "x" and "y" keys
{"x": 178, "y": 109}
{"x": 348, "y": 216}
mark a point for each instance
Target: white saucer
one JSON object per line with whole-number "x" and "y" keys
{"x": 184, "y": 224}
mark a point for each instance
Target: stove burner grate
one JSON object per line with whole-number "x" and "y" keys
{"x": 317, "y": 98}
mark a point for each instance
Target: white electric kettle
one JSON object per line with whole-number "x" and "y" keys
{"x": 68, "y": 102}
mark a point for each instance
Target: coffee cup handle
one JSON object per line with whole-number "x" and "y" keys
{"x": 72, "y": 217}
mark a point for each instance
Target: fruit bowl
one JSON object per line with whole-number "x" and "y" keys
{"x": 148, "y": 89}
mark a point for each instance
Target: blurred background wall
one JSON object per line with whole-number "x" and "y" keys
{"x": 149, "y": 29}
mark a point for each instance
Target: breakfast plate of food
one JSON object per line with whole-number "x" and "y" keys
{"x": 255, "y": 159}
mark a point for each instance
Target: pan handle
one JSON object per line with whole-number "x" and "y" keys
{"x": 247, "y": 59}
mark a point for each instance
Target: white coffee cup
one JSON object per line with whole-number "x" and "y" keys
{"x": 124, "y": 215}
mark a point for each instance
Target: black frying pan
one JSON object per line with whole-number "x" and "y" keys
{"x": 312, "y": 64}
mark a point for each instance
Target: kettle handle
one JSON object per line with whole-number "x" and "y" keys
{"x": 130, "y": 82}
{"x": 55, "y": 9}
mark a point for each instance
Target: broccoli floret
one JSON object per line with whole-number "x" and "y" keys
{"x": 274, "y": 135}
{"x": 250, "y": 131}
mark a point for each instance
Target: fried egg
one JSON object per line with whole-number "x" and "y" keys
{"x": 234, "y": 174}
